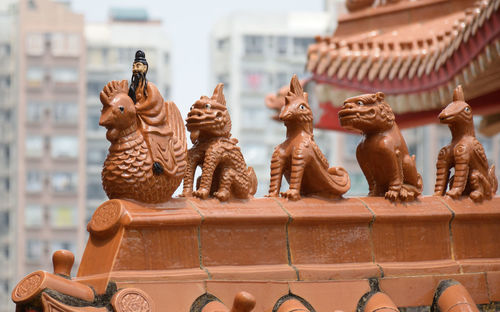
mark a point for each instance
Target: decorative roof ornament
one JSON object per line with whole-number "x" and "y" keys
{"x": 473, "y": 176}
{"x": 382, "y": 154}
{"x": 147, "y": 156}
{"x": 224, "y": 173}
{"x": 299, "y": 159}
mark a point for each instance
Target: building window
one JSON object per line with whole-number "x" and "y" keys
{"x": 255, "y": 118}
{"x": 34, "y": 146}
{"x": 254, "y": 80}
{"x": 4, "y": 50}
{"x": 73, "y": 44}
{"x": 301, "y": 45}
{"x": 33, "y": 215}
{"x": 255, "y": 154}
{"x": 65, "y": 112}
{"x": 34, "y": 181}
{"x": 94, "y": 189}
{"x": 222, "y": 44}
{"x": 4, "y": 221}
{"x": 65, "y": 74}
{"x": 63, "y": 216}
{"x": 35, "y": 111}
{"x": 34, "y": 76}
{"x": 95, "y": 87}
{"x": 93, "y": 117}
{"x": 64, "y": 147}
{"x": 96, "y": 154}
{"x": 4, "y": 82}
{"x": 35, "y": 44}
{"x": 34, "y": 249}
{"x": 254, "y": 45}
{"x": 64, "y": 182}
{"x": 65, "y": 44}
{"x": 282, "y": 45}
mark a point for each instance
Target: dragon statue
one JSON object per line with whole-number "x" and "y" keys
{"x": 299, "y": 159}
{"x": 224, "y": 171}
{"x": 382, "y": 154}
{"x": 465, "y": 153}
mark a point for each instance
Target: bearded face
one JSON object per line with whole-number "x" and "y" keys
{"x": 139, "y": 71}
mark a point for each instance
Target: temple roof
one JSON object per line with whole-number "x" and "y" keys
{"x": 416, "y": 52}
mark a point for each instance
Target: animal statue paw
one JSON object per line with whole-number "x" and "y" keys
{"x": 185, "y": 193}
{"x": 438, "y": 193}
{"x": 392, "y": 195}
{"x": 272, "y": 194}
{"x": 222, "y": 195}
{"x": 291, "y": 194}
{"x": 454, "y": 193}
{"x": 476, "y": 196}
{"x": 201, "y": 193}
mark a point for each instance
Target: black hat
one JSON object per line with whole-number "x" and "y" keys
{"x": 140, "y": 57}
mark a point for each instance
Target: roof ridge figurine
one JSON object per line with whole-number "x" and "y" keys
{"x": 465, "y": 153}
{"x": 382, "y": 154}
{"x": 147, "y": 156}
{"x": 224, "y": 171}
{"x": 299, "y": 159}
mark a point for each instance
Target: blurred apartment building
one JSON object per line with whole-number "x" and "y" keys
{"x": 254, "y": 55}
{"x": 110, "y": 54}
{"x": 8, "y": 101}
{"x": 50, "y": 129}
{"x": 42, "y": 137}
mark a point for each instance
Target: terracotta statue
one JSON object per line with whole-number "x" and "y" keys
{"x": 224, "y": 171}
{"x": 147, "y": 156}
{"x": 382, "y": 154}
{"x": 356, "y": 5}
{"x": 276, "y": 101}
{"x": 299, "y": 158}
{"x": 465, "y": 153}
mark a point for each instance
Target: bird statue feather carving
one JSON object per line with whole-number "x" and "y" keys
{"x": 147, "y": 156}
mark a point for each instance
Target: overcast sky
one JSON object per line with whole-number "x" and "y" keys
{"x": 188, "y": 23}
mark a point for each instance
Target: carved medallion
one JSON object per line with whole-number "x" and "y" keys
{"x": 131, "y": 300}
{"x": 27, "y": 287}
{"x": 106, "y": 217}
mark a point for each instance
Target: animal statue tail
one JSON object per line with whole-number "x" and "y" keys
{"x": 176, "y": 124}
{"x": 253, "y": 181}
{"x": 340, "y": 179}
{"x": 493, "y": 180}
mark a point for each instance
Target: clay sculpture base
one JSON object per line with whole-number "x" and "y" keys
{"x": 326, "y": 252}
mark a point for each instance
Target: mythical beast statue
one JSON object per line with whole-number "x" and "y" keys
{"x": 382, "y": 154}
{"x": 465, "y": 153}
{"x": 224, "y": 171}
{"x": 299, "y": 159}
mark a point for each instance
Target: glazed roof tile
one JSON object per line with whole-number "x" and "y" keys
{"x": 394, "y": 55}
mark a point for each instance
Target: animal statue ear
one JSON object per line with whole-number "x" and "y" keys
{"x": 458, "y": 94}
{"x": 295, "y": 86}
{"x": 306, "y": 96}
{"x": 219, "y": 94}
{"x": 380, "y": 96}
